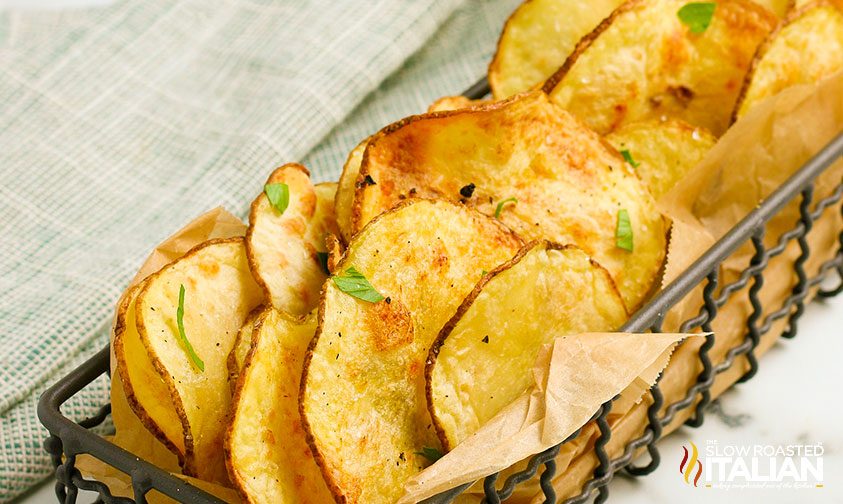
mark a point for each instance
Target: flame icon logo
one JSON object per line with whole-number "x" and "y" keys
{"x": 687, "y": 466}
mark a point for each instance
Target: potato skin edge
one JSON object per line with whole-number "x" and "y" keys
{"x": 466, "y": 304}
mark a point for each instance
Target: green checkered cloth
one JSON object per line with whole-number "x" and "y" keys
{"x": 120, "y": 124}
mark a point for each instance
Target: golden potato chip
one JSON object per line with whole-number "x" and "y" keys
{"x": 345, "y": 190}
{"x": 806, "y": 48}
{"x": 538, "y": 37}
{"x": 284, "y": 238}
{"x": 151, "y": 400}
{"x": 363, "y": 389}
{"x": 644, "y": 62}
{"x": 484, "y": 356}
{"x": 212, "y": 290}
{"x": 778, "y": 7}
{"x": 530, "y": 164}
{"x": 662, "y": 151}
{"x": 455, "y": 103}
{"x": 242, "y": 344}
{"x": 266, "y": 451}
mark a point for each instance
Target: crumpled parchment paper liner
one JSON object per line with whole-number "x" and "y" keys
{"x": 607, "y": 363}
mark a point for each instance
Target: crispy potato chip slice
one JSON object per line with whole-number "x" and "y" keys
{"x": 538, "y": 37}
{"x": 805, "y": 49}
{"x": 219, "y": 294}
{"x": 484, "y": 356}
{"x": 363, "y": 390}
{"x": 242, "y": 344}
{"x": 266, "y": 451}
{"x": 346, "y": 187}
{"x": 663, "y": 150}
{"x": 778, "y": 7}
{"x": 146, "y": 391}
{"x": 455, "y": 103}
{"x": 642, "y": 62}
{"x": 283, "y": 246}
{"x": 568, "y": 184}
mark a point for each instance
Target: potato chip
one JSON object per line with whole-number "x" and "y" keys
{"x": 484, "y": 356}
{"x": 643, "y": 62}
{"x": 266, "y": 451}
{"x": 346, "y": 188}
{"x": 363, "y": 389}
{"x": 151, "y": 400}
{"x": 805, "y": 49}
{"x": 530, "y": 164}
{"x": 219, "y": 293}
{"x": 283, "y": 243}
{"x": 778, "y": 7}
{"x": 538, "y": 37}
{"x": 455, "y": 103}
{"x": 242, "y": 344}
{"x": 662, "y": 151}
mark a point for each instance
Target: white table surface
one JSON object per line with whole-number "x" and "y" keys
{"x": 788, "y": 401}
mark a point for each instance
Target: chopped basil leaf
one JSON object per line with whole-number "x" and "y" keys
{"x": 180, "y": 322}
{"x": 431, "y": 454}
{"x": 499, "y": 209}
{"x": 629, "y": 159}
{"x": 623, "y": 233}
{"x": 697, "y": 16}
{"x": 278, "y": 195}
{"x": 322, "y": 257}
{"x": 353, "y": 283}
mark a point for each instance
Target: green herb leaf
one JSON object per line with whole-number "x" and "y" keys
{"x": 629, "y": 159}
{"x": 431, "y": 454}
{"x": 353, "y": 283}
{"x": 279, "y": 196}
{"x": 322, "y": 257}
{"x": 180, "y": 322}
{"x": 499, "y": 209}
{"x": 697, "y": 15}
{"x": 623, "y": 233}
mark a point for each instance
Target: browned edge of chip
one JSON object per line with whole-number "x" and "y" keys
{"x": 123, "y": 372}
{"x": 333, "y": 486}
{"x": 360, "y": 186}
{"x": 253, "y": 208}
{"x": 585, "y": 42}
{"x": 466, "y": 305}
{"x": 231, "y": 361}
{"x": 794, "y": 14}
{"x": 341, "y": 184}
{"x": 494, "y": 65}
{"x": 335, "y": 251}
{"x": 188, "y": 466}
{"x": 260, "y": 314}
{"x": 625, "y": 7}
{"x": 260, "y": 318}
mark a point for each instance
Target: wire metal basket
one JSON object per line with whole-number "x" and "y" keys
{"x": 69, "y": 439}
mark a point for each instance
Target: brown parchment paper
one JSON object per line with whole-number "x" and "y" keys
{"x": 130, "y": 434}
{"x": 748, "y": 163}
